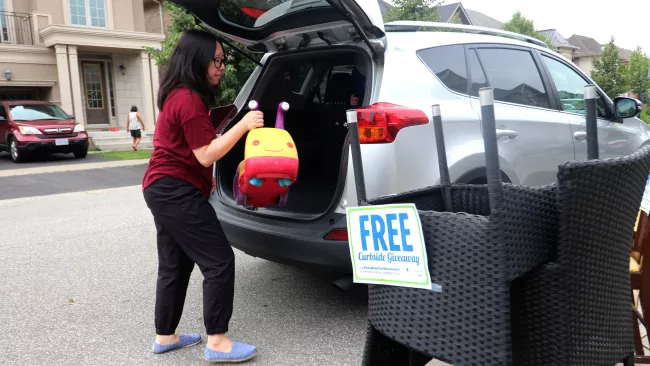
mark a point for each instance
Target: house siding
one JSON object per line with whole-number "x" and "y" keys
{"x": 51, "y": 7}
{"x": 128, "y": 87}
{"x": 586, "y": 64}
{"x": 123, "y": 15}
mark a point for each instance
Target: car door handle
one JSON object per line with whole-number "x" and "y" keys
{"x": 580, "y": 135}
{"x": 506, "y": 133}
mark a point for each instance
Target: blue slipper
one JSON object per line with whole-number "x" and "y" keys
{"x": 240, "y": 352}
{"x": 185, "y": 341}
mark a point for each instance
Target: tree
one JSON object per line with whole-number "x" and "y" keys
{"x": 522, "y": 25}
{"x": 638, "y": 73}
{"x": 238, "y": 67}
{"x": 609, "y": 73}
{"x": 422, "y": 10}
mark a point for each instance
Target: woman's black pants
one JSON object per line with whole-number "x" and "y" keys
{"x": 188, "y": 233}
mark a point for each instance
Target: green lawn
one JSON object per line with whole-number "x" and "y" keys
{"x": 127, "y": 155}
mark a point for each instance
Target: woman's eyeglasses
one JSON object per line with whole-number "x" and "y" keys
{"x": 218, "y": 62}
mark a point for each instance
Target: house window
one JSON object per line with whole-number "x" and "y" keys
{"x": 97, "y": 13}
{"x": 88, "y": 12}
{"x": 4, "y": 36}
{"x": 78, "y": 12}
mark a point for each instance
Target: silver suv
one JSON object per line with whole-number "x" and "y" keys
{"x": 324, "y": 57}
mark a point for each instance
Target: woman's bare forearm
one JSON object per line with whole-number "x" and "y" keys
{"x": 209, "y": 154}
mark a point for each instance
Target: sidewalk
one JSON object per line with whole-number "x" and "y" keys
{"x": 71, "y": 167}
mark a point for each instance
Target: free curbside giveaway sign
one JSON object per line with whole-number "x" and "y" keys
{"x": 387, "y": 246}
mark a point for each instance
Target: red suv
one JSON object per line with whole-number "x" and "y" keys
{"x": 34, "y": 127}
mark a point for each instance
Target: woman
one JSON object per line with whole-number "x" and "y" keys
{"x": 176, "y": 187}
{"x": 134, "y": 124}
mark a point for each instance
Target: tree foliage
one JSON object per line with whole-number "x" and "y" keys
{"x": 609, "y": 73}
{"x": 238, "y": 67}
{"x": 638, "y": 74}
{"x": 522, "y": 25}
{"x": 421, "y": 10}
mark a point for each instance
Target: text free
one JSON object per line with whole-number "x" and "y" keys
{"x": 381, "y": 225}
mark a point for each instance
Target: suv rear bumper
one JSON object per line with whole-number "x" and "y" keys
{"x": 299, "y": 244}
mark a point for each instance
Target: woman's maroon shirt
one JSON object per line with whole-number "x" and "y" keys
{"x": 183, "y": 125}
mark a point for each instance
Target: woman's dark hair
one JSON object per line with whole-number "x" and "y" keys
{"x": 134, "y": 108}
{"x": 188, "y": 67}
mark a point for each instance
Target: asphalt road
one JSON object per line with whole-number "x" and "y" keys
{"x": 48, "y": 160}
{"x": 78, "y": 282}
{"x": 31, "y": 185}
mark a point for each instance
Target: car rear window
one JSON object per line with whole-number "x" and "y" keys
{"x": 514, "y": 76}
{"x": 257, "y": 13}
{"x": 448, "y": 63}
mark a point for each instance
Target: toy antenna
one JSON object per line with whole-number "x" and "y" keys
{"x": 279, "y": 119}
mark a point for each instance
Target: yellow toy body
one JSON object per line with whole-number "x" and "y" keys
{"x": 269, "y": 168}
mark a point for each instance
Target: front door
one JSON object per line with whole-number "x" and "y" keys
{"x": 94, "y": 92}
{"x": 615, "y": 139}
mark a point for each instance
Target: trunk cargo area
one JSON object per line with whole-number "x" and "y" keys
{"x": 319, "y": 87}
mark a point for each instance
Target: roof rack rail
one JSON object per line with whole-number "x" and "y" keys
{"x": 412, "y": 26}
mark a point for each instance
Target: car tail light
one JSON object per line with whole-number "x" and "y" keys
{"x": 337, "y": 234}
{"x": 253, "y": 12}
{"x": 381, "y": 122}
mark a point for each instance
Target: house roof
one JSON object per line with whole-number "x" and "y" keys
{"x": 384, "y": 7}
{"x": 587, "y": 46}
{"x": 624, "y": 53}
{"x": 557, "y": 39}
{"x": 482, "y": 20}
{"x": 447, "y": 11}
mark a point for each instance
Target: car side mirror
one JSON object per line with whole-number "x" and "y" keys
{"x": 626, "y": 107}
{"x": 71, "y": 116}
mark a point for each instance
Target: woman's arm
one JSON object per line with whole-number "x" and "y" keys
{"x": 209, "y": 154}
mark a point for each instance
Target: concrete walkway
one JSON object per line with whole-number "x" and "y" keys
{"x": 71, "y": 167}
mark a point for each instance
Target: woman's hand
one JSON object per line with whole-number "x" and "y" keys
{"x": 208, "y": 154}
{"x": 252, "y": 120}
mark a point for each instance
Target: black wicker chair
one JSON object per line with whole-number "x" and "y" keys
{"x": 528, "y": 275}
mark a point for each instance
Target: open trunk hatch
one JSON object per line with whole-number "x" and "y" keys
{"x": 275, "y": 25}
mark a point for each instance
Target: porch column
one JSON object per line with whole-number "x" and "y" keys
{"x": 147, "y": 92}
{"x": 75, "y": 77}
{"x": 64, "y": 77}
{"x": 155, "y": 83}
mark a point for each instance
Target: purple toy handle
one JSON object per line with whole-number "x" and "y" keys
{"x": 279, "y": 119}
{"x": 253, "y": 105}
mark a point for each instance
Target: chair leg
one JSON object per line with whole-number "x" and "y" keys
{"x": 380, "y": 350}
{"x": 418, "y": 359}
{"x": 629, "y": 360}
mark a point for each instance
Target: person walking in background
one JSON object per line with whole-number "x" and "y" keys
{"x": 177, "y": 187}
{"x": 135, "y": 124}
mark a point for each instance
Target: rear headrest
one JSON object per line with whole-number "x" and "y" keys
{"x": 340, "y": 88}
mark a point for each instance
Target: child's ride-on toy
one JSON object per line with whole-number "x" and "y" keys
{"x": 270, "y": 165}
